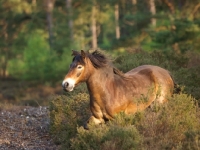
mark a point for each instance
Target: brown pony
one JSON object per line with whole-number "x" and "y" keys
{"x": 112, "y": 91}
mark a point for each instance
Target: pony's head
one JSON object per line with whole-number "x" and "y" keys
{"x": 83, "y": 64}
{"x": 76, "y": 71}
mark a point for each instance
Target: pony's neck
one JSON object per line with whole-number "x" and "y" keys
{"x": 98, "y": 78}
{"x": 101, "y": 79}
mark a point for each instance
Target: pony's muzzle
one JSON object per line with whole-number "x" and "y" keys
{"x": 68, "y": 85}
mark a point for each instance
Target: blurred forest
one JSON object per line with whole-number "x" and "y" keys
{"x": 37, "y": 36}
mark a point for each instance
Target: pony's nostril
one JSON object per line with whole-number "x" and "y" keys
{"x": 66, "y": 84}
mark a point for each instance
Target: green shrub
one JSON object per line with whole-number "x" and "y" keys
{"x": 66, "y": 113}
{"x": 107, "y": 137}
{"x": 167, "y": 60}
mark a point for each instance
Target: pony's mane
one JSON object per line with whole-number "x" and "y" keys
{"x": 100, "y": 60}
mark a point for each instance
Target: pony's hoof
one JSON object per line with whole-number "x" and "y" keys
{"x": 85, "y": 126}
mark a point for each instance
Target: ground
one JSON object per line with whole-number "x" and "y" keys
{"x": 24, "y": 116}
{"x": 25, "y": 128}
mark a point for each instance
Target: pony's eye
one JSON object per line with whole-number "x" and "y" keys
{"x": 79, "y": 67}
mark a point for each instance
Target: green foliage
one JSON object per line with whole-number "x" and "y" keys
{"x": 36, "y": 61}
{"x": 168, "y": 60}
{"x": 189, "y": 77}
{"x": 177, "y": 34}
{"x": 36, "y": 56}
{"x": 61, "y": 63}
{"x": 176, "y": 29}
{"x": 111, "y": 136}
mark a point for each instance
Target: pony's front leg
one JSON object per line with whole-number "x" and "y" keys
{"x": 93, "y": 120}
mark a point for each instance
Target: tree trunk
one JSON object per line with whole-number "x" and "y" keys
{"x": 4, "y": 66}
{"x": 70, "y": 21}
{"x": 153, "y": 11}
{"x": 94, "y": 28}
{"x": 49, "y": 5}
{"x": 4, "y": 51}
{"x": 134, "y": 2}
{"x": 4, "y": 60}
{"x": 170, "y": 5}
{"x": 117, "y": 28}
{"x": 34, "y": 2}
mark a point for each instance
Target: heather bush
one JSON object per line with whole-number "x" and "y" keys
{"x": 66, "y": 113}
{"x": 174, "y": 125}
{"x": 109, "y": 136}
{"x": 168, "y": 128}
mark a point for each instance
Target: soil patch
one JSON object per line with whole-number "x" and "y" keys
{"x": 24, "y": 115}
{"x": 25, "y": 127}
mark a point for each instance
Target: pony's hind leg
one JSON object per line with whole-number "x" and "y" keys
{"x": 131, "y": 109}
{"x": 161, "y": 96}
{"x": 93, "y": 120}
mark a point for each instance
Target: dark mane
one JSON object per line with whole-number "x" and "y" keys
{"x": 99, "y": 59}
{"x": 120, "y": 73}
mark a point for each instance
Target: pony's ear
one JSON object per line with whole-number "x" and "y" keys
{"x": 83, "y": 54}
{"x": 74, "y": 53}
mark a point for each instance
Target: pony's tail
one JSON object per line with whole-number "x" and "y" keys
{"x": 177, "y": 89}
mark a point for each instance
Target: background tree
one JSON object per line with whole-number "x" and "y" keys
{"x": 49, "y": 5}
{"x": 94, "y": 25}
{"x": 117, "y": 28}
{"x": 70, "y": 21}
{"x": 153, "y": 11}
{"x": 110, "y": 25}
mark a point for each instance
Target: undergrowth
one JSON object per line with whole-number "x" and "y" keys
{"x": 174, "y": 126}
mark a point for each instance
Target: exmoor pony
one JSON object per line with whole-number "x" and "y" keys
{"x": 112, "y": 91}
